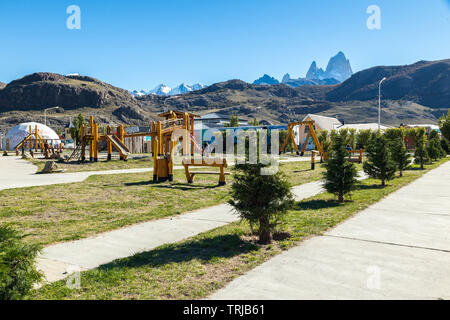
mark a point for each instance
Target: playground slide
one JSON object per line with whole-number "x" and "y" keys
{"x": 23, "y": 141}
{"x": 118, "y": 145}
{"x": 197, "y": 145}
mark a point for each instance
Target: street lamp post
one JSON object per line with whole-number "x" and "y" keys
{"x": 45, "y": 113}
{"x": 379, "y": 103}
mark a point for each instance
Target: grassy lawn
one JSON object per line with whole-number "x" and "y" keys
{"x": 50, "y": 214}
{"x": 195, "y": 268}
{"x": 144, "y": 161}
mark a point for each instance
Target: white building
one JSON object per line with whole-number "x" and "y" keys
{"x": 21, "y": 131}
{"x": 321, "y": 123}
{"x": 363, "y": 126}
{"x": 214, "y": 120}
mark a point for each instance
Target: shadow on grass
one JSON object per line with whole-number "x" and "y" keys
{"x": 372, "y": 187}
{"x": 300, "y": 171}
{"x": 416, "y": 168}
{"x": 223, "y": 246}
{"x": 142, "y": 183}
{"x": 316, "y": 204}
{"x": 186, "y": 186}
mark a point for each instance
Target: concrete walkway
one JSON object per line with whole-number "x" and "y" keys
{"x": 18, "y": 173}
{"x": 398, "y": 248}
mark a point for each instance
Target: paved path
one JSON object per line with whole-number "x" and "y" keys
{"x": 18, "y": 173}
{"x": 398, "y": 248}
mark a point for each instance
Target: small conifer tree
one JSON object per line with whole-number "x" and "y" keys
{"x": 260, "y": 199}
{"x": 444, "y": 125}
{"x": 75, "y": 131}
{"x": 420, "y": 143}
{"x": 340, "y": 177}
{"x": 434, "y": 147}
{"x": 18, "y": 273}
{"x": 400, "y": 155}
{"x": 445, "y": 146}
{"x": 379, "y": 164}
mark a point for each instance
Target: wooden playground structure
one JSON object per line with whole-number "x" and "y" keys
{"x": 354, "y": 155}
{"x": 91, "y": 135}
{"x": 34, "y": 140}
{"x": 310, "y": 133}
{"x": 176, "y": 127}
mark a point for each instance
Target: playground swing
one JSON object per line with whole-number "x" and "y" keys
{"x": 310, "y": 133}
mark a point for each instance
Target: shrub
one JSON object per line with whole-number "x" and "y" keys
{"x": 17, "y": 271}
{"x": 434, "y": 148}
{"x": 363, "y": 138}
{"x": 340, "y": 177}
{"x": 379, "y": 164}
{"x": 400, "y": 154}
{"x": 324, "y": 139}
{"x": 445, "y": 146}
{"x": 75, "y": 131}
{"x": 444, "y": 125}
{"x": 392, "y": 134}
{"x": 420, "y": 142}
{"x": 260, "y": 199}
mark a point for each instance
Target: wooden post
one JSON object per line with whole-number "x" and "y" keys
{"x": 108, "y": 132}
{"x": 187, "y": 173}
{"x": 91, "y": 139}
{"x": 313, "y": 159}
{"x": 172, "y": 145}
{"x": 120, "y": 135}
{"x": 193, "y": 134}
{"x": 155, "y": 153}
{"x": 83, "y": 142}
{"x": 95, "y": 142}
{"x": 222, "y": 181}
{"x": 36, "y": 138}
{"x": 160, "y": 139}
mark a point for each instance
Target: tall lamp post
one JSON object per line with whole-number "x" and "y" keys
{"x": 379, "y": 103}
{"x": 45, "y": 113}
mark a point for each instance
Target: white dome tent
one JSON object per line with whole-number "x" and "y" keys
{"x": 21, "y": 131}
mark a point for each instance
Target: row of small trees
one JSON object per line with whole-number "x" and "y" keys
{"x": 262, "y": 200}
{"x": 386, "y": 154}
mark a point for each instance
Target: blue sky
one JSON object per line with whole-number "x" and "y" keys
{"x": 138, "y": 44}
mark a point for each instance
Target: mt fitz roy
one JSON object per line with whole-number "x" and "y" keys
{"x": 338, "y": 70}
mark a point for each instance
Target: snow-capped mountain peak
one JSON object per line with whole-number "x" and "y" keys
{"x": 163, "y": 90}
{"x": 184, "y": 88}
